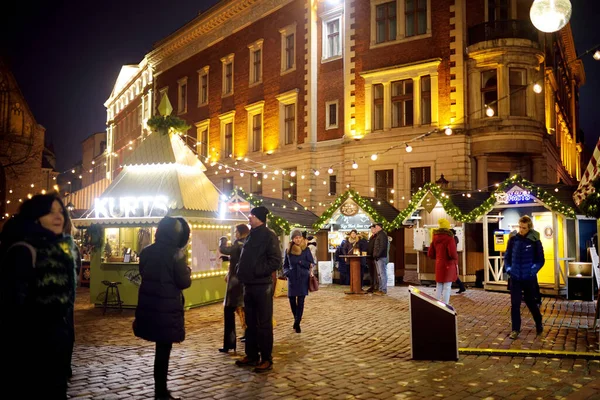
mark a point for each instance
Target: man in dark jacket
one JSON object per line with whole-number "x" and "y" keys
{"x": 523, "y": 259}
{"x": 380, "y": 253}
{"x": 371, "y": 261}
{"x": 261, "y": 256}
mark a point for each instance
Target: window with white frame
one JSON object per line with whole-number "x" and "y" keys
{"x": 332, "y": 34}
{"x": 489, "y": 93}
{"x": 202, "y": 130}
{"x": 203, "y": 86}
{"x": 227, "y": 131}
{"x": 255, "y": 126}
{"x": 182, "y": 96}
{"x": 288, "y": 48}
{"x": 331, "y": 114}
{"x": 401, "y": 96}
{"x": 227, "y": 63}
{"x": 384, "y": 184}
{"x": 289, "y": 188}
{"x": 398, "y": 20}
{"x": 518, "y": 94}
{"x": 255, "y": 66}
{"x": 287, "y": 117}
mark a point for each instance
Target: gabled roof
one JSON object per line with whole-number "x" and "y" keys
{"x": 290, "y": 210}
{"x": 127, "y": 72}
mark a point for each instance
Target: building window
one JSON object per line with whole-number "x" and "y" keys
{"x": 289, "y": 187}
{"x": 227, "y": 185}
{"x": 415, "y": 17}
{"x": 331, "y": 114}
{"x": 255, "y": 126}
{"x": 202, "y": 139}
{"x": 419, "y": 177}
{"x": 287, "y": 117}
{"x": 182, "y": 96}
{"x": 518, "y": 92}
{"x": 332, "y": 37}
{"x": 425, "y": 100}
{"x": 498, "y": 10}
{"x": 332, "y": 185}
{"x": 402, "y": 103}
{"x": 384, "y": 184}
{"x": 203, "y": 86}
{"x": 256, "y": 184}
{"x": 255, "y": 62}
{"x": 489, "y": 92}
{"x": 377, "y": 107}
{"x": 385, "y": 20}
{"x": 227, "y": 132}
{"x": 227, "y": 75}
{"x": 288, "y": 48}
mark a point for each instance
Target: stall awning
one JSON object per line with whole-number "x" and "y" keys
{"x": 585, "y": 187}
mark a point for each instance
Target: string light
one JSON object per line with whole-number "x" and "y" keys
{"x": 489, "y": 111}
{"x": 330, "y": 171}
{"x": 448, "y": 131}
{"x": 408, "y": 148}
{"x": 374, "y": 157}
{"x": 317, "y": 173}
{"x": 354, "y": 165}
{"x": 537, "y": 88}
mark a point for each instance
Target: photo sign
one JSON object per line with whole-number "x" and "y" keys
{"x": 128, "y": 207}
{"x": 516, "y": 195}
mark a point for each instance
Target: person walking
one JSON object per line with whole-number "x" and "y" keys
{"x": 459, "y": 283}
{"x": 159, "y": 316}
{"x": 297, "y": 268}
{"x": 371, "y": 261}
{"x": 443, "y": 251}
{"x": 37, "y": 294}
{"x": 380, "y": 254}
{"x": 234, "y": 295}
{"x": 523, "y": 259}
{"x": 260, "y": 258}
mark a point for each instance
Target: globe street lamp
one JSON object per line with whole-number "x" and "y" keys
{"x": 550, "y": 15}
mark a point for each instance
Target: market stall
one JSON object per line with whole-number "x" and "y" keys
{"x": 161, "y": 177}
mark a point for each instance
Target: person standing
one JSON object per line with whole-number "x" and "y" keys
{"x": 37, "y": 294}
{"x": 371, "y": 261}
{"x": 362, "y": 245}
{"x": 343, "y": 265}
{"x": 234, "y": 296}
{"x": 159, "y": 316}
{"x": 523, "y": 259}
{"x": 443, "y": 250}
{"x": 297, "y": 268}
{"x": 260, "y": 258}
{"x": 459, "y": 283}
{"x": 380, "y": 254}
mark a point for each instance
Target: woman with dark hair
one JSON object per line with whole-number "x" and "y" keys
{"x": 37, "y": 294}
{"x": 234, "y": 296}
{"x": 159, "y": 316}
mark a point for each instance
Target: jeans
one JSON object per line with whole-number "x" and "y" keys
{"x": 258, "y": 304}
{"x": 161, "y": 367}
{"x": 529, "y": 289}
{"x": 443, "y": 289}
{"x": 381, "y": 264}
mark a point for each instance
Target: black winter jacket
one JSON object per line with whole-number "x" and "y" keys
{"x": 234, "y": 296}
{"x": 261, "y": 256}
{"x": 381, "y": 245}
{"x": 159, "y": 314}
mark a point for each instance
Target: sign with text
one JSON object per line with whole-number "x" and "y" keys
{"x": 358, "y": 221}
{"x": 128, "y": 207}
{"x": 516, "y": 195}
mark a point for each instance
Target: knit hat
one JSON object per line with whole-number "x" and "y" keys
{"x": 295, "y": 233}
{"x": 38, "y": 206}
{"x": 444, "y": 223}
{"x": 260, "y": 213}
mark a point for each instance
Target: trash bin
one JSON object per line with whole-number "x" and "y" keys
{"x": 433, "y": 328}
{"x": 580, "y": 281}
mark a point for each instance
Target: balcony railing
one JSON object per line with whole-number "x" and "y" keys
{"x": 516, "y": 29}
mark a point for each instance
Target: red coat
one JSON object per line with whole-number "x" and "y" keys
{"x": 443, "y": 250}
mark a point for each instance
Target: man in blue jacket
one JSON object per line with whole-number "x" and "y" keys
{"x": 523, "y": 259}
{"x": 260, "y": 257}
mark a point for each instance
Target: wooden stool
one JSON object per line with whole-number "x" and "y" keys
{"x": 113, "y": 288}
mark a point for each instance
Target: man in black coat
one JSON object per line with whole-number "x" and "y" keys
{"x": 371, "y": 261}
{"x": 261, "y": 256}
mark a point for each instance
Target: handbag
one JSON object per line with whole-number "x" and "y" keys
{"x": 313, "y": 283}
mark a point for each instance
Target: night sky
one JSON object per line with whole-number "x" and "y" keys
{"x": 66, "y": 56}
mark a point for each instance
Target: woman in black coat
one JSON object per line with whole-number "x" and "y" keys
{"x": 159, "y": 316}
{"x": 234, "y": 296}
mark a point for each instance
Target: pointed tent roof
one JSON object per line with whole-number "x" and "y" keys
{"x": 590, "y": 174}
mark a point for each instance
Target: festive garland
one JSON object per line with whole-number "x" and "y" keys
{"x": 590, "y": 206}
{"x": 278, "y": 224}
{"x": 485, "y": 207}
{"x": 162, "y": 125}
{"x": 358, "y": 199}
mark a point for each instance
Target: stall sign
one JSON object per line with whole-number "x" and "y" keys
{"x": 127, "y": 207}
{"x": 238, "y": 206}
{"x": 514, "y": 196}
{"x": 359, "y": 221}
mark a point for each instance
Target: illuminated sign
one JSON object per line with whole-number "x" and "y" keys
{"x": 238, "y": 206}
{"x": 514, "y": 197}
{"x": 127, "y": 207}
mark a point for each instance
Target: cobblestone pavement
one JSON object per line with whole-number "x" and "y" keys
{"x": 351, "y": 347}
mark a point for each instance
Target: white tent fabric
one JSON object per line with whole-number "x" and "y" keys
{"x": 585, "y": 187}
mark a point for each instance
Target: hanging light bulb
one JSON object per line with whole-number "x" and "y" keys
{"x": 550, "y": 15}
{"x": 354, "y": 165}
{"x": 537, "y": 88}
{"x": 489, "y": 111}
{"x": 276, "y": 172}
{"x": 293, "y": 173}
{"x": 374, "y": 157}
{"x": 408, "y": 148}
{"x": 330, "y": 171}
{"x": 317, "y": 173}
{"x": 596, "y": 55}
{"x": 448, "y": 131}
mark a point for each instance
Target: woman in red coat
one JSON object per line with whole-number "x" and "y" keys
{"x": 443, "y": 250}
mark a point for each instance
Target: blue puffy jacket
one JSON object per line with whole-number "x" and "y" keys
{"x": 524, "y": 256}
